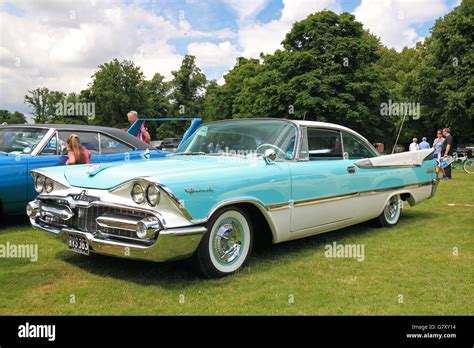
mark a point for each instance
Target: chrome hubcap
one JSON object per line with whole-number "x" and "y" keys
{"x": 228, "y": 241}
{"x": 392, "y": 208}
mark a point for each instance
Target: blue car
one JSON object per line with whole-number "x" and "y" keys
{"x": 27, "y": 147}
{"x": 230, "y": 183}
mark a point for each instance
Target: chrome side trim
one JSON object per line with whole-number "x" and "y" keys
{"x": 285, "y": 205}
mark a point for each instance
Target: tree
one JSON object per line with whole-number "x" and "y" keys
{"x": 44, "y": 103}
{"x": 187, "y": 93}
{"x": 220, "y": 100}
{"x": 325, "y": 72}
{"x": 117, "y": 88}
{"x": 445, "y": 76}
{"x": 157, "y": 90}
{"x": 12, "y": 117}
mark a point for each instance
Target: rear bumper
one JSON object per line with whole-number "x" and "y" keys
{"x": 170, "y": 244}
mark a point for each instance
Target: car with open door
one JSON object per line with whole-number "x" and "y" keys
{"x": 228, "y": 184}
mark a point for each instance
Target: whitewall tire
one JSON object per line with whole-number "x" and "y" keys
{"x": 391, "y": 212}
{"x": 227, "y": 245}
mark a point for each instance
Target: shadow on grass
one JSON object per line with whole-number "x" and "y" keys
{"x": 179, "y": 274}
{"x": 8, "y": 221}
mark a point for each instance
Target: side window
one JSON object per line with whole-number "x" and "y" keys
{"x": 111, "y": 145}
{"x": 90, "y": 140}
{"x": 355, "y": 148}
{"x": 323, "y": 144}
{"x": 51, "y": 147}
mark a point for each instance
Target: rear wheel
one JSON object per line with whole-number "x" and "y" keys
{"x": 391, "y": 212}
{"x": 469, "y": 166}
{"x": 227, "y": 245}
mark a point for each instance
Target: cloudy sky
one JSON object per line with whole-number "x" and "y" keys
{"x": 60, "y": 43}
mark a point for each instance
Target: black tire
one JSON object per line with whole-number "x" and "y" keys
{"x": 391, "y": 212}
{"x": 230, "y": 228}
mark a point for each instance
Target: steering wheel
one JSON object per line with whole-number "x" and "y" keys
{"x": 272, "y": 146}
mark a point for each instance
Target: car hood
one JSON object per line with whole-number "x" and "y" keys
{"x": 163, "y": 170}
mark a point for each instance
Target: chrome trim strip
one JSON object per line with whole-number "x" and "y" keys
{"x": 39, "y": 147}
{"x": 117, "y": 221}
{"x": 310, "y": 201}
{"x": 60, "y": 212}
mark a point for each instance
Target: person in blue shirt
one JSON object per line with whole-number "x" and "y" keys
{"x": 424, "y": 144}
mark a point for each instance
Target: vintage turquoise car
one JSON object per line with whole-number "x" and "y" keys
{"x": 232, "y": 182}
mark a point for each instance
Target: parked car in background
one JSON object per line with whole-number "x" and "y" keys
{"x": 231, "y": 182}
{"x": 27, "y": 147}
{"x": 167, "y": 144}
{"x": 464, "y": 151}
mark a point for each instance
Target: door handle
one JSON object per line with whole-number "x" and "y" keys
{"x": 351, "y": 169}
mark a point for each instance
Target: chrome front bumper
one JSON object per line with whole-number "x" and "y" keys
{"x": 169, "y": 244}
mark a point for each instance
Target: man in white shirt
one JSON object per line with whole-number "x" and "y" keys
{"x": 414, "y": 145}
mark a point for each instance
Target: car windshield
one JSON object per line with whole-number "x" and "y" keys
{"x": 20, "y": 140}
{"x": 243, "y": 137}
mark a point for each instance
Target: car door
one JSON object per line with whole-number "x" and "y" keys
{"x": 323, "y": 182}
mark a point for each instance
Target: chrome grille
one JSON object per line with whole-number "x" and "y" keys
{"x": 84, "y": 219}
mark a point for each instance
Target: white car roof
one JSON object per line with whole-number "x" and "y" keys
{"x": 327, "y": 125}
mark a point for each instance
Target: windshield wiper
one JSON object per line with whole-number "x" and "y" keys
{"x": 188, "y": 153}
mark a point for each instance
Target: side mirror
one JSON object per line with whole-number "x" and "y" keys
{"x": 269, "y": 156}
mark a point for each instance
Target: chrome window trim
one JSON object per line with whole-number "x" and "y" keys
{"x": 305, "y": 128}
{"x": 133, "y": 148}
{"x": 43, "y": 142}
{"x": 362, "y": 140}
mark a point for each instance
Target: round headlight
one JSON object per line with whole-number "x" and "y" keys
{"x": 141, "y": 230}
{"x": 152, "y": 195}
{"x": 49, "y": 185}
{"x": 138, "y": 194}
{"x": 39, "y": 183}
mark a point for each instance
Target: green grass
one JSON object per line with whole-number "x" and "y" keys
{"x": 414, "y": 259}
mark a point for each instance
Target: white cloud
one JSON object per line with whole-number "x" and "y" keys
{"x": 246, "y": 9}
{"x": 256, "y": 37}
{"x": 209, "y": 54}
{"x": 393, "y": 20}
{"x": 59, "y": 44}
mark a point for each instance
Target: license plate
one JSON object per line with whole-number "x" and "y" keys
{"x": 78, "y": 244}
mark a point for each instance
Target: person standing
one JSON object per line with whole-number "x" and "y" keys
{"x": 424, "y": 145}
{"x": 447, "y": 150}
{"x": 438, "y": 144}
{"x": 143, "y": 134}
{"x": 414, "y": 145}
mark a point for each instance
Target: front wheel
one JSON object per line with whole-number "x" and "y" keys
{"x": 391, "y": 212}
{"x": 469, "y": 166}
{"x": 227, "y": 245}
